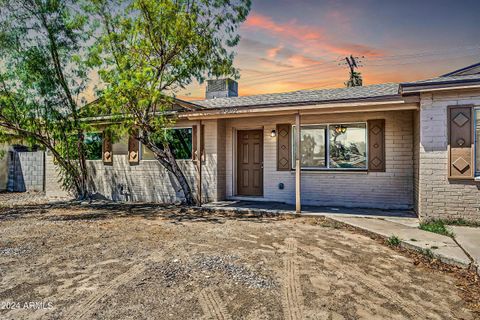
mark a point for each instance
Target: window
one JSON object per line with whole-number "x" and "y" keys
{"x": 477, "y": 141}
{"x": 348, "y": 147}
{"x": 180, "y": 140}
{"x": 313, "y": 146}
{"x": 120, "y": 146}
{"x": 93, "y": 146}
{"x": 333, "y": 146}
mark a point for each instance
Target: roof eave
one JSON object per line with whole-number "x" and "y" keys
{"x": 307, "y": 103}
{"x": 406, "y": 88}
{"x": 310, "y": 105}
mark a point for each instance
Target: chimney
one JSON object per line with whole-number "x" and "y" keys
{"x": 221, "y": 88}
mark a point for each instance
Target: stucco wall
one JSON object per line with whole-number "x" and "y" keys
{"x": 440, "y": 197}
{"x": 390, "y": 189}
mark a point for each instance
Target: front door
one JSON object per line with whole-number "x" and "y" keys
{"x": 250, "y": 162}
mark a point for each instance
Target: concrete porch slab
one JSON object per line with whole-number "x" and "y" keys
{"x": 280, "y": 207}
{"x": 444, "y": 248}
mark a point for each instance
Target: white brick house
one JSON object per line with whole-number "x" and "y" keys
{"x": 389, "y": 146}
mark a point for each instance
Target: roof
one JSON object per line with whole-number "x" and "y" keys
{"x": 471, "y": 69}
{"x": 303, "y": 97}
{"x": 441, "y": 82}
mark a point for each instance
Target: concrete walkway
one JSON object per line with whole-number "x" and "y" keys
{"x": 469, "y": 239}
{"x": 442, "y": 247}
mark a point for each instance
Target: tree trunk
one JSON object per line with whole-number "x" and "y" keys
{"x": 168, "y": 161}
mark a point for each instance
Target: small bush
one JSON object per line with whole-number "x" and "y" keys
{"x": 436, "y": 226}
{"x": 393, "y": 241}
{"x": 428, "y": 252}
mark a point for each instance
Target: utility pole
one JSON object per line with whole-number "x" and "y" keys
{"x": 355, "y": 77}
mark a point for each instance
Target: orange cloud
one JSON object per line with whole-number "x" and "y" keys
{"x": 290, "y": 29}
{"x": 273, "y": 52}
{"x": 311, "y": 40}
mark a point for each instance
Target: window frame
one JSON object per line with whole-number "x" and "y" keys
{"x": 327, "y": 147}
{"x": 141, "y": 146}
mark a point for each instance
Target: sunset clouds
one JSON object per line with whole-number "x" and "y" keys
{"x": 291, "y": 45}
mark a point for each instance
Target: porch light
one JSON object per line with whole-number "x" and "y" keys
{"x": 273, "y": 133}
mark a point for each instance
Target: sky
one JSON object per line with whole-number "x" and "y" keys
{"x": 290, "y": 45}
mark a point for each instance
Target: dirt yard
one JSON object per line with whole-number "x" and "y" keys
{"x": 147, "y": 262}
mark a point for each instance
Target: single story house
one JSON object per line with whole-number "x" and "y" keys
{"x": 391, "y": 146}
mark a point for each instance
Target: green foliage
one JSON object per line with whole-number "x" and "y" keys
{"x": 393, "y": 241}
{"x": 150, "y": 49}
{"x": 428, "y": 253}
{"x": 436, "y": 226}
{"x": 44, "y": 75}
{"x": 93, "y": 146}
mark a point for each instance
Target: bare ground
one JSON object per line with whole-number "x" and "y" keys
{"x": 150, "y": 262}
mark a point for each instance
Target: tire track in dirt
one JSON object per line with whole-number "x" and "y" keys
{"x": 292, "y": 293}
{"x": 83, "y": 309}
{"x": 212, "y": 305}
{"x": 356, "y": 274}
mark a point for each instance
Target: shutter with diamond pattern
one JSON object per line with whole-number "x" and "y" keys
{"x": 376, "y": 145}
{"x": 284, "y": 151}
{"x": 107, "y": 154}
{"x": 133, "y": 150}
{"x": 460, "y": 142}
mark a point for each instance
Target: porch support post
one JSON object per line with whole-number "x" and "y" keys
{"x": 298, "y": 157}
{"x": 199, "y": 162}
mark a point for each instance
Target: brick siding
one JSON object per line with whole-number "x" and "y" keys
{"x": 392, "y": 189}
{"x": 438, "y": 196}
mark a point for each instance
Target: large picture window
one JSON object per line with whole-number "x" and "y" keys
{"x": 180, "y": 140}
{"x": 333, "y": 146}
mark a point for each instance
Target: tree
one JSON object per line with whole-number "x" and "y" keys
{"x": 152, "y": 48}
{"x": 43, "y": 75}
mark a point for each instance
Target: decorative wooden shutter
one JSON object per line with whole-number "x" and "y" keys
{"x": 376, "y": 145}
{"x": 284, "y": 151}
{"x": 194, "y": 142}
{"x": 460, "y": 142}
{"x": 107, "y": 153}
{"x": 133, "y": 150}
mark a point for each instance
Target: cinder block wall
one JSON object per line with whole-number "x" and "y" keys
{"x": 26, "y": 171}
{"x": 440, "y": 197}
{"x": 3, "y": 167}
{"x": 392, "y": 189}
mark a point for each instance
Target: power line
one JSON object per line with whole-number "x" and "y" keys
{"x": 392, "y": 57}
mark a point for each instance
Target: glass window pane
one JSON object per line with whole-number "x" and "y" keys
{"x": 93, "y": 146}
{"x": 313, "y": 146}
{"x": 120, "y": 147}
{"x": 180, "y": 144}
{"x": 348, "y": 146}
{"x": 477, "y": 140}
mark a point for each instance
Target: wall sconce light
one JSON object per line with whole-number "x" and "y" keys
{"x": 273, "y": 133}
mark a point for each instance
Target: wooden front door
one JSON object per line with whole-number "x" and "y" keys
{"x": 250, "y": 162}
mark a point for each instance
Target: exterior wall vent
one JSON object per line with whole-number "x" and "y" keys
{"x": 221, "y": 88}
